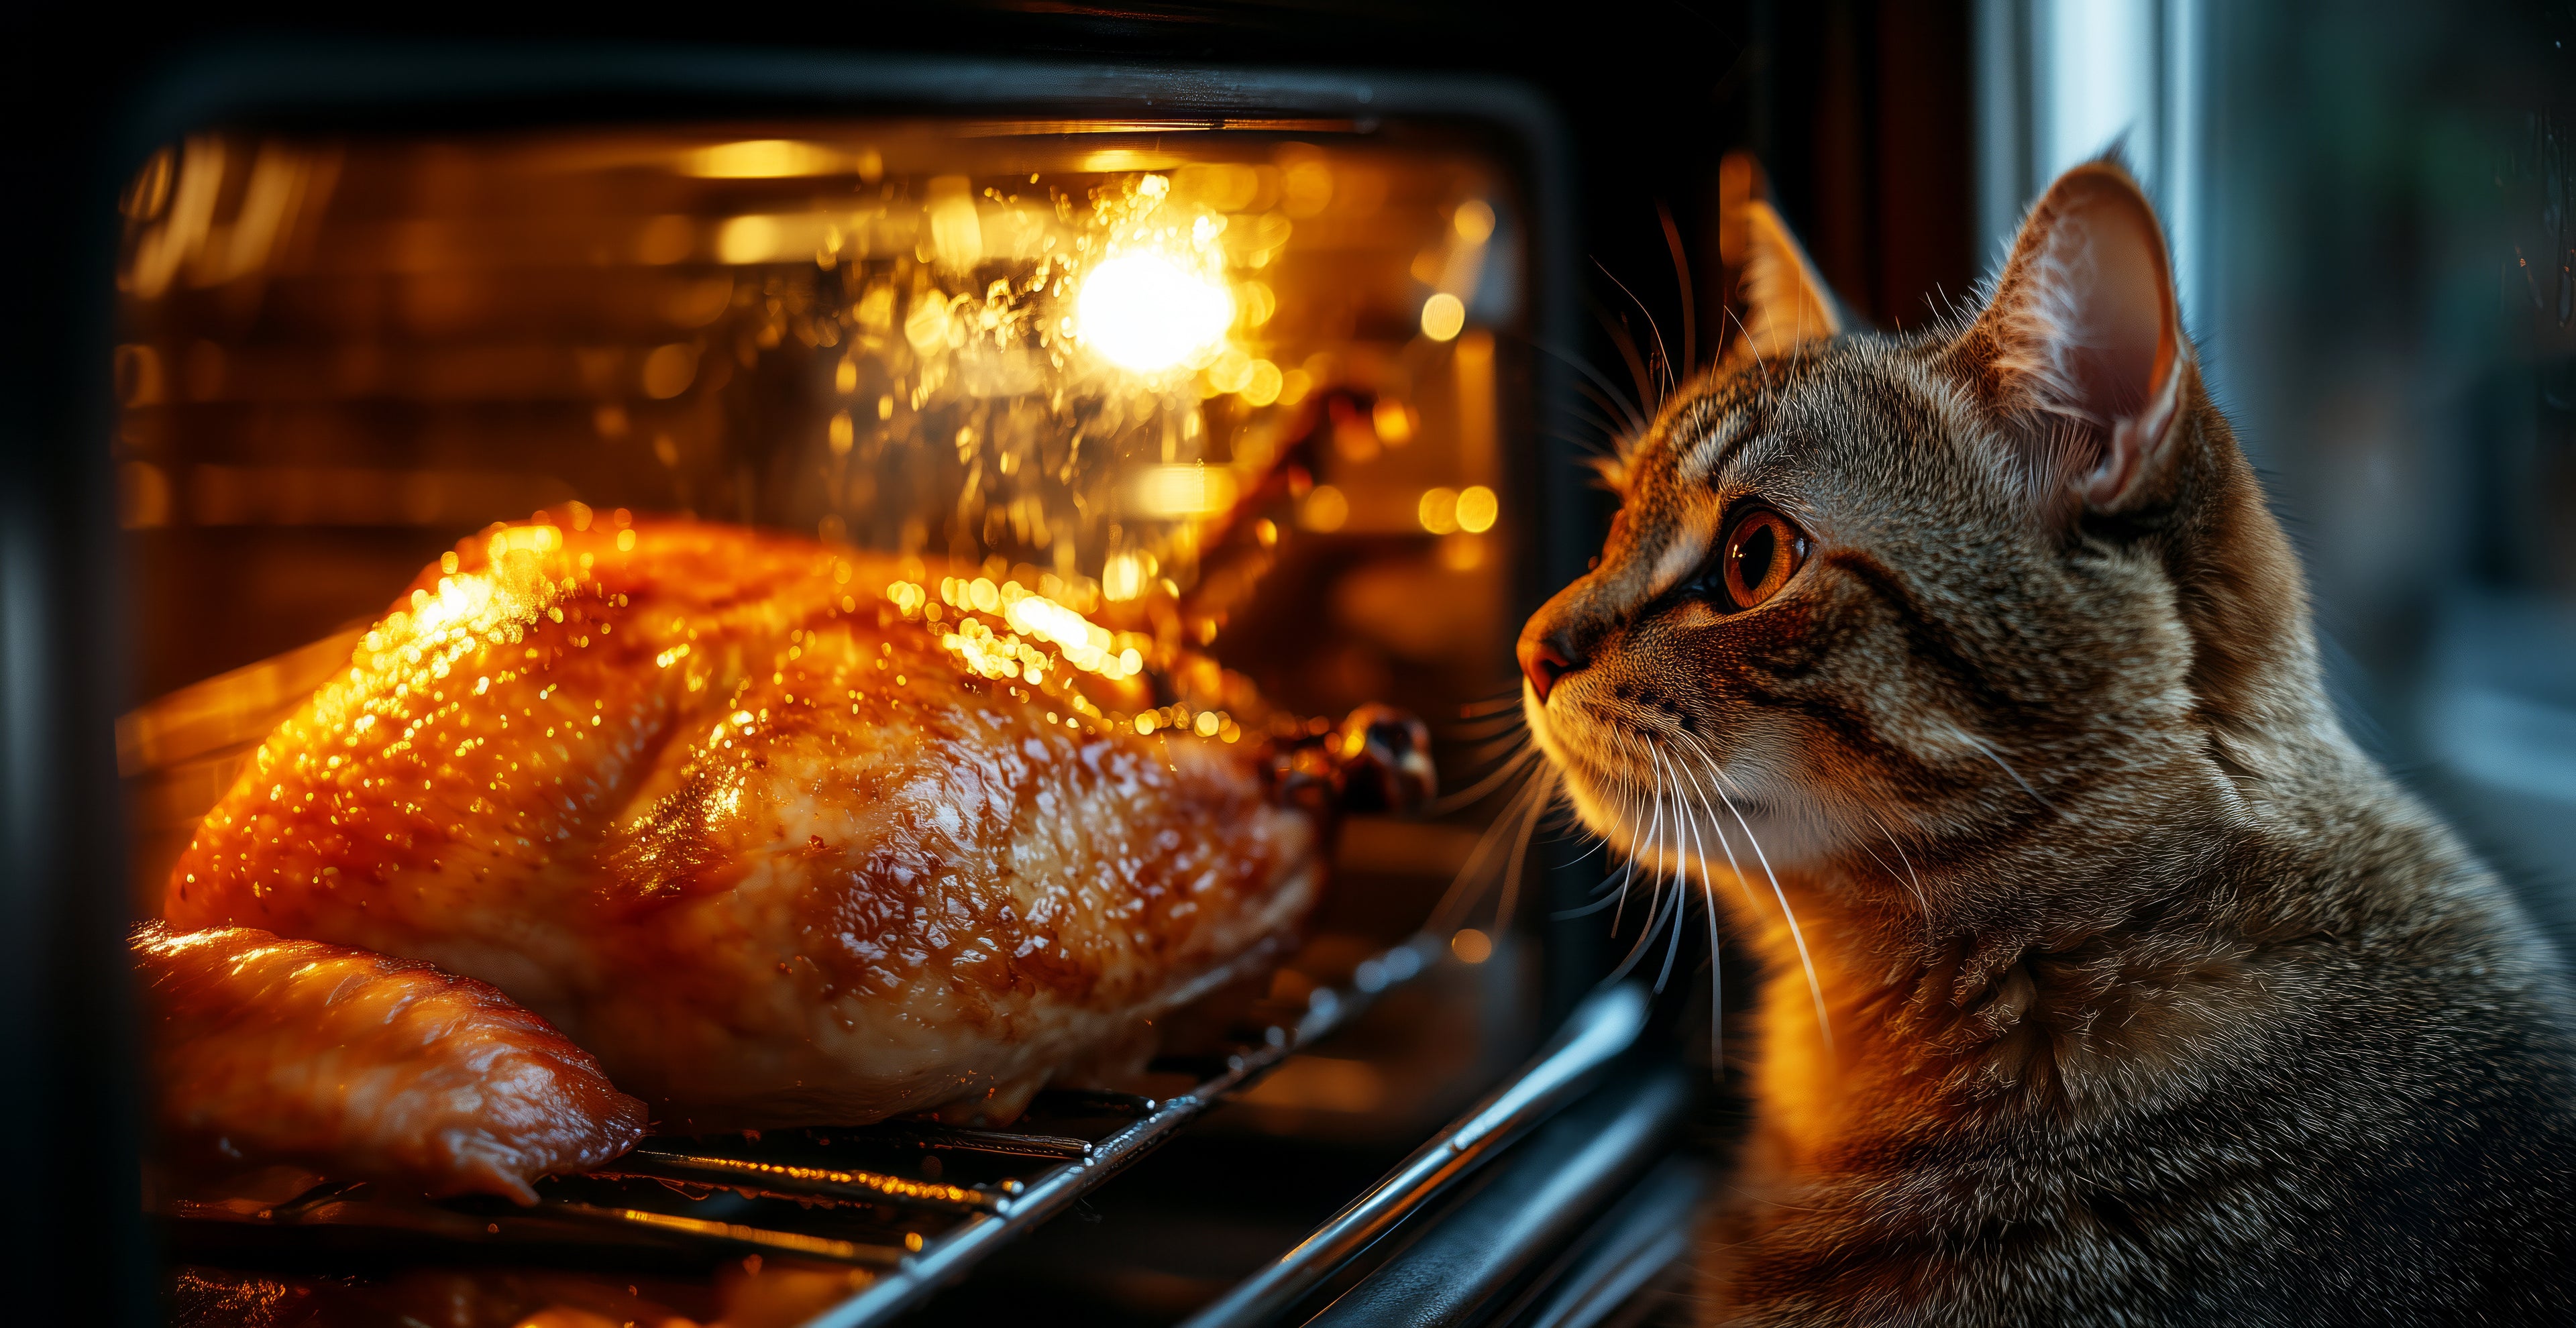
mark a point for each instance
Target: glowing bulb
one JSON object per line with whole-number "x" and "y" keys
{"x": 1438, "y": 510}
{"x": 1325, "y": 509}
{"x": 1142, "y": 312}
{"x": 1477, "y": 508}
{"x": 1443, "y": 316}
{"x": 1474, "y": 221}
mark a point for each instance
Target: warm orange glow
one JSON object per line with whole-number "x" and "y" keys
{"x": 1170, "y": 491}
{"x": 764, "y": 159}
{"x": 1472, "y": 946}
{"x": 1264, "y": 385}
{"x": 669, "y": 370}
{"x": 748, "y": 240}
{"x": 1325, "y": 509}
{"x": 1393, "y": 422}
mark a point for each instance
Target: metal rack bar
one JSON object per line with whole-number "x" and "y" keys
{"x": 1600, "y": 1029}
{"x": 957, "y": 1250}
{"x": 960, "y": 1139}
{"x": 786, "y": 1181}
{"x": 726, "y": 1233}
{"x": 1100, "y": 1100}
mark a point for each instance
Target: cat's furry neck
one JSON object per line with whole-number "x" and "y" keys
{"x": 2060, "y": 972}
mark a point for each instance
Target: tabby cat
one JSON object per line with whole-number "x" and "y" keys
{"x": 2106, "y": 980}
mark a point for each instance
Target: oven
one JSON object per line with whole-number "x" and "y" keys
{"x": 1312, "y": 348}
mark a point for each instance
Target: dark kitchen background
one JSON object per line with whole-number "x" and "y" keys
{"x": 2373, "y": 207}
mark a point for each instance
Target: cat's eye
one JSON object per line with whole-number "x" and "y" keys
{"x": 1762, "y": 551}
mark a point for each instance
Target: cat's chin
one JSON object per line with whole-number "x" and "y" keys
{"x": 1752, "y": 829}
{"x": 1752, "y": 839}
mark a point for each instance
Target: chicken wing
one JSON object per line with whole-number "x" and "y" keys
{"x": 364, "y": 1067}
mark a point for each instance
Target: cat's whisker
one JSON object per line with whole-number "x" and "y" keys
{"x": 1761, "y": 366}
{"x": 1653, "y": 826}
{"x": 1644, "y": 932}
{"x": 1626, "y": 873}
{"x": 1607, "y": 420}
{"x": 1490, "y": 725}
{"x": 1501, "y": 701}
{"x": 1499, "y": 746}
{"x": 1559, "y": 818}
{"x": 1465, "y": 887}
{"x": 1484, "y": 788}
{"x": 1663, "y": 358}
{"x": 1682, "y": 287}
{"x": 1708, "y": 898}
{"x": 1661, "y": 913}
{"x": 1638, "y": 371}
{"x": 1709, "y": 761}
{"x": 1510, "y": 903}
{"x": 1716, "y": 975}
{"x": 1708, "y": 889}
{"x": 1998, "y": 758}
{"x": 1607, "y": 899}
{"x": 1645, "y": 943}
{"x": 1563, "y": 818}
{"x": 1614, "y": 398}
{"x": 1601, "y": 839}
{"x": 1681, "y": 893}
{"x": 1797, "y": 935}
{"x": 1922, "y": 901}
{"x": 1599, "y": 455}
{"x": 1889, "y": 872}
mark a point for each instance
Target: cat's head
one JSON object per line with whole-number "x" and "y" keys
{"x": 2004, "y": 589}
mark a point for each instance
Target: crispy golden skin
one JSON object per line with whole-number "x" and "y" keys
{"x": 708, "y": 801}
{"x": 365, "y": 1067}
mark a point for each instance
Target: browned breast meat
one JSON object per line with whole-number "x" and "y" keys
{"x": 763, "y": 824}
{"x": 365, "y": 1068}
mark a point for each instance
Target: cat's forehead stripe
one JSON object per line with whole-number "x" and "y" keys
{"x": 1715, "y": 439}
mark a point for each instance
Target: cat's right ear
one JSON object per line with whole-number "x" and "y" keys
{"x": 2080, "y": 353}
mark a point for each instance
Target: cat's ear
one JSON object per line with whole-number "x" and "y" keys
{"x": 2080, "y": 350}
{"x": 1785, "y": 303}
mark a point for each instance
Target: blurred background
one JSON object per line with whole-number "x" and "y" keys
{"x": 2374, "y": 220}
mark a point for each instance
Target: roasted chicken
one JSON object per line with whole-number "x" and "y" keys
{"x": 763, "y": 825}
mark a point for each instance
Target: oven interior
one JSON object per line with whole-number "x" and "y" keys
{"x": 1274, "y": 379}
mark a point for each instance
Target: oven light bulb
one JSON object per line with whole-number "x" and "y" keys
{"x": 1142, "y": 312}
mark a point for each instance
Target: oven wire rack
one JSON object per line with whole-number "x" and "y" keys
{"x": 778, "y": 1194}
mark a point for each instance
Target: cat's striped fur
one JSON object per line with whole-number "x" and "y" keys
{"x": 2139, "y": 994}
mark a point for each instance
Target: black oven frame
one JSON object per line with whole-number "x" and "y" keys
{"x": 70, "y": 1103}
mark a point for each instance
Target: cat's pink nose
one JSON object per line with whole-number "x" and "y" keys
{"x": 1543, "y": 661}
